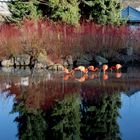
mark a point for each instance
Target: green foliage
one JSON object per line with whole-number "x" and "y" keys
{"x": 66, "y": 118}
{"x": 64, "y": 10}
{"x": 31, "y": 122}
{"x": 24, "y": 9}
{"x": 100, "y": 119}
{"x": 101, "y": 11}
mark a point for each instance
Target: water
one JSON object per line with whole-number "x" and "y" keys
{"x": 130, "y": 113}
{"x": 49, "y": 105}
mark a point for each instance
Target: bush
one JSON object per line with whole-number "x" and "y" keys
{"x": 59, "y": 39}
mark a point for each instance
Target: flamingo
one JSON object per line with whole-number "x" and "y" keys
{"x": 111, "y": 68}
{"x": 104, "y": 67}
{"x": 83, "y": 78}
{"x": 117, "y": 67}
{"x": 68, "y": 74}
{"x": 82, "y": 69}
{"x": 66, "y": 71}
{"x": 92, "y": 68}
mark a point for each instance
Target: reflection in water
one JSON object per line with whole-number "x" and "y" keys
{"x": 99, "y": 121}
{"x": 66, "y": 111}
{"x": 90, "y": 75}
{"x": 72, "y": 116}
{"x": 57, "y": 109}
{"x": 8, "y": 129}
{"x": 31, "y": 122}
{"x": 118, "y": 75}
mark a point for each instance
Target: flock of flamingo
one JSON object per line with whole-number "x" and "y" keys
{"x": 91, "y": 69}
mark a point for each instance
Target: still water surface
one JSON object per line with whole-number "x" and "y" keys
{"x": 47, "y": 105}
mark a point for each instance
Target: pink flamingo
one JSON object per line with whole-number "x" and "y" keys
{"x": 82, "y": 69}
{"x": 68, "y": 74}
{"x": 66, "y": 71}
{"x": 92, "y": 68}
{"x": 116, "y": 67}
{"x": 104, "y": 68}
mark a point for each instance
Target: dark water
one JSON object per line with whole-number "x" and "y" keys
{"x": 54, "y": 106}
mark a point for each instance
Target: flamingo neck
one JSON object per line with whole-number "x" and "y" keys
{"x": 95, "y": 69}
{"x": 113, "y": 67}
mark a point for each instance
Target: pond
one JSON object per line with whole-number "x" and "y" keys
{"x": 40, "y": 105}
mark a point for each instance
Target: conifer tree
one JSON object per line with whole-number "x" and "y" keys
{"x": 24, "y": 9}
{"x": 63, "y": 10}
{"x": 101, "y": 11}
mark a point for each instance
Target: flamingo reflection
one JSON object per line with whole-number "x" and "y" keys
{"x": 68, "y": 74}
{"x": 93, "y": 76}
{"x": 67, "y": 77}
{"x": 83, "y": 78}
{"x": 118, "y": 75}
{"x": 105, "y": 77}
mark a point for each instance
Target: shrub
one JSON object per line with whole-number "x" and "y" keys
{"x": 60, "y": 39}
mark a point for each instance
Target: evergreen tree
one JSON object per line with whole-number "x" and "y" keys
{"x": 101, "y": 11}
{"x": 24, "y": 9}
{"x": 64, "y": 10}
{"x": 69, "y": 11}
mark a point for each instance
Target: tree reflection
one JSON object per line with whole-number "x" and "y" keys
{"x": 31, "y": 122}
{"x": 65, "y": 119}
{"x": 99, "y": 120}
{"x": 67, "y": 111}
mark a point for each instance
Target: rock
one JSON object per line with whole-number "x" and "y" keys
{"x": 7, "y": 69}
{"x": 136, "y": 58}
{"x": 100, "y": 60}
{"x": 65, "y": 63}
{"x": 127, "y": 51}
{"x": 21, "y": 60}
{"x": 115, "y": 59}
{"x": 85, "y": 60}
{"x": 125, "y": 59}
{"x": 21, "y": 71}
{"x": 130, "y": 51}
{"x": 56, "y": 67}
{"x": 40, "y": 66}
{"x": 7, "y": 63}
{"x": 82, "y": 62}
{"x": 43, "y": 58}
{"x": 69, "y": 60}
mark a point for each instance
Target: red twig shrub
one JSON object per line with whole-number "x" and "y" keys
{"x": 59, "y": 39}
